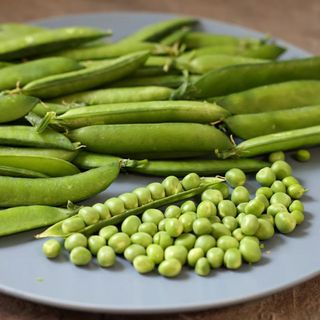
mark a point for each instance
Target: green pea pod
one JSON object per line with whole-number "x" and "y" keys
{"x": 15, "y": 106}
{"x": 19, "y": 172}
{"x": 252, "y": 125}
{"x": 42, "y": 108}
{"x": 168, "y": 155}
{"x": 88, "y": 78}
{"x": 150, "y": 71}
{"x": 4, "y": 64}
{"x": 58, "y": 190}
{"x": 19, "y": 28}
{"x": 56, "y": 230}
{"x": 123, "y": 139}
{"x": 176, "y": 37}
{"x": 25, "y": 218}
{"x": 47, "y": 41}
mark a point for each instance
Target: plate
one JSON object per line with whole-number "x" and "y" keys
{"x": 287, "y": 260}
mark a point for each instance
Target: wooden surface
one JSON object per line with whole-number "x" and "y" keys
{"x": 296, "y": 21}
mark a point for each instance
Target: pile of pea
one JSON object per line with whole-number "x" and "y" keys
{"x": 220, "y": 229}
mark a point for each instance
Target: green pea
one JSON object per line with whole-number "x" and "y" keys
{"x": 241, "y": 207}
{"x": 223, "y": 188}
{"x": 163, "y": 239}
{"x": 296, "y": 191}
{"x": 215, "y": 196}
{"x": 187, "y": 240}
{"x": 251, "y": 238}
{"x": 201, "y": 226}
{"x": 106, "y": 257}
{"x": 162, "y": 224}
{"x": 119, "y": 242}
{"x": 255, "y": 207}
{"x": 188, "y": 206}
{"x": 232, "y": 258}
{"x": 227, "y": 208}
{"x": 263, "y": 199}
{"x": 152, "y": 215}
{"x": 267, "y": 217}
{"x": 285, "y": 222}
{"x": 148, "y": 227}
{"x": 302, "y": 155}
{"x": 172, "y": 185}
{"x": 143, "y": 264}
{"x": 178, "y": 252}
{"x": 250, "y": 251}
{"x": 298, "y": 216}
{"x": 237, "y": 234}
{"x": 215, "y": 219}
{"x": 230, "y": 222}
{"x": 108, "y": 231}
{"x": 219, "y": 230}
{"x": 130, "y": 225}
{"x": 249, "y": 224}
{"x": 142, "y": 238}
{"x": 281, "y": 197}
{"x": 115, "y": 206}
{"x": 275, "y": 156}
{"x": 157, "y": 190}
{"x": 103, "y": 211}
{"x": 143, "y": 195}
{"x": 281, "y": 169}
{"x": 72, "y": 224}
{"x": 133, "y": 251}
{"x": 240, "y": 216}
{"x": 155, "y": 253}
{"x": 80, "y": 256}
{"x": 170, "y": 268}
{"x": 194, "y": 255}
{"x": 239, "y": 195}
{"x": 51, "y": 248}
{"x": 265, "y": 177}
{"x": 190, "y": 181}
{"x": 172, "y": 211}
{"x": 95, "y": 243}
{"x": 205, "y": 242}
{"x": 296, "y": 205}
{"x": 278, "y": 186}
{"x": 174, "y": 227}
{"x": 130, "y": 200}
{"x": 266, "y": 191}
{"x": 273, "y": 209}
{"x": 187, "y": 220}
{"x": 227, "y": 242}
{"x": 215, "y": 257}
{"x": 206, "y": 209}
{"x": 202, "y": 267}
{"x": 235, "y": 177}
{"x": 265, "y": 230}
{"x": 75, "y": 240}
{"x": 288, "y": 181}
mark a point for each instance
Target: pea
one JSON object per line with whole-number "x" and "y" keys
{"x": 215, "y": 219}
{"x": 206, "y": 209}
{"x": 130, "y": 225}
{"x": 119, "y": 242}
{"x": 172, "y": 211}
{"x": 235, "y": 177}
{"x": 267, "y": 217}
{"x": 130, "y": 200}
{"x": 157, "y": 190}
{"x": 230, "y": 222}
{"x": 106, "y": 257}
{"x": 155, "y": 252}
{"x": 187, "y": 240}
{"x": 288, "y": 181}
{"x": 162, "y": 224}
{"x": 296, "y": 205}
{"x": 219, "y": 230}
{"x": 237, "y": 234}
{"x": 178, "y": 252}
{"x": 250, "y": 251}
{"x": 163, "y": 239}
{"x": 227, "y": 242}
{"x": 223, "y": 188}
{"x": 194, "y": 255}
{"x": 298, "y": 216}
{"x": 255, "y": 207}
{"x": 187, "y": 220}
{"x": 205, "y": 242}
{"x": 152, "y": 215}
{"x": 215, "y": 196}
{"x": 108, "y": 231}
{"x": 263, "y": 199}
{"x": 251, "y": 238}
{"x": 281, "y": 169}
{"x": 232, "y": 258}
{"x": 72, "y": 224}
{"x": 148, "y": 227}
{"x": 239, "y": 195}
{"x": 142, "y": 238}
{"x": 266, "y": 191}
{"x": 133, "y": 251}
{"x": 215, "y": 257}
{"x": 95, "y": 243}
{"x": 51, "y": 248}
{"x": 201, "y": 226}
{"x": 188, "y": 206}
{"x": 80, "y": 256}
{"x": 240, "y": 216}
{"x": 249, "y": 224}
{"x": 75, "y": 240}
{"x": 273, "y": 209}
{"x": 174, "y": 227}
{"x": 302, "y": 155}
{"x": 143, "y": 195}
{"x": 227, "y": 208}
{"x": 296, "y": 191}
{"x": 115, "y": 206}
{"x": 275, "y": 156}
{"x": 172, "y": 185}
{"x": 241, "y": 207}
{"x": 103, "y": 211}
{"x": 170, "y": 268}
{"x": 265, "y": 177}
{"x": 190, "y": 181}
{"x": 265, "y": 230}
{"x": 281, "y": 197}
{"x": 202, "y": 267}
{"x": 285, "y": 222}
{"x": 143, "y": 264}
{"x": 278, "y": 186}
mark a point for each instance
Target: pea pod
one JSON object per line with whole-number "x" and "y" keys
{"x": 19, "y": 172}
{"x": 4, "y": 64}
{"x": 151, "y": 71}
{"x": 252, "y": 125}
{"x": 18, "y": 29}
{"x": 122, "y": 139}
{"x": 42, "y": 108}
{"x": 88, "y": 78}
{"x": 176, "y": 37}
{"x": 169, "y": 155}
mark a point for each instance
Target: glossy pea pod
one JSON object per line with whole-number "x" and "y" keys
{"x": 20, "y": 172}
{"x": 42, "y": 108}
{"x": 85, "y": 79}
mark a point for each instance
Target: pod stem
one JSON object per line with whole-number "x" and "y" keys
{"x": 46, "y": 120}
{"x": 128, "y": 163}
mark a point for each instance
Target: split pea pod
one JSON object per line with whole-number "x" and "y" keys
{"x": 20, "y": 172}
{"x": 252, "y": 125}
{"x": 85, "y": 79}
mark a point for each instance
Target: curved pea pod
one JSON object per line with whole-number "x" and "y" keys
{"x": 121, "y": 139}
{"x": 20, "y": 172}
{"x": 252, "y": 125}
{"x": 84, "y": 79}
{"x": 18, "y": 219}
{"x": 15, "y": 106}
{"x": 47, "y": 41}
{"x": 42, "y": 108}
{"x": 58, "y": 190}
{"x": 281, "y": 141}
{"x": 176, "y": 37}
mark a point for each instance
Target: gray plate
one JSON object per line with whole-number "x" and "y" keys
{"x": 25, "y": 273}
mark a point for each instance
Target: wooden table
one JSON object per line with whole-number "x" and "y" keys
{"x": 296, "y": 21}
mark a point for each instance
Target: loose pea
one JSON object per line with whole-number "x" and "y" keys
{"x": 202, "y": 267}
{"x": 296, "y": 205}
{"x": 89, "y": 215}
{"x": 155, "y": 252}
{"x": 194, "y": 255}
{"x": 80, "y": 256}
{"x": 115, "y": 206}
{"x": 152, "y": 215}
{"x": 288, "y": 181}
{"x": 240, "y": 216}
{"x": 75, "y": 240}
{"x": 219, "y": 230}
{"x": 223, "y": 188}
{"x": 265, "y": 176}
{"x": 163, "y": 239}
{"x": 251, "y": 238}
{"x": 275, "y": 156}
{"x": 106, "y": 257}
{"x": 227, "y": 208}
{"x": 148, "y": 227}
{"x": 174, "y": 227}
{"x": 230, "y": 222}
{"x": 143, "y": 195}
{"x": 72, "y": 224}
{"x": 187, "y": 220}
{"x": 205, "y": 242}
{"x": 162, "y": 224}
{"x": 119, "y": 242}
{"x": 215, "y": 219}
{"x": 133, "y": 251}
{"x": 103, "y": 210}
{"x": 51, "y": 248}
{"x": 298, "y": 216}
{"x": 241, "y": 207}
{"x": 235, "y": 177}
{"x": 95, "y": 243}
{"x": 143, "y": 264}
{"x": 296, "y": 191}
{"x": 215, "y": 196}
{"x": 157, "y": 190}
{"x": 249, "y": 224}
{"x": 172, "y": 185}
{"x": 130, "y": 200}
{"x": 201, "y": 226}
{"x": 237, "y": 234}
{"x": 190, "y": 181}
{"x": 227, "y": 242}
{"x": 267, "y": 217}
{"x": 278, "y": 186}
{"x": 263, "y": 199}
{"x": 206, "y": 209}
{"x": 239, "y": 195}
{"x": 281, "y": 169}
{"x": 255, "y": 207}
{"x": 178, "y": 252}
{"x": 273, "y": 209}
{"x": 170, "y": 268}
{"x": 250, "y": 251}
{"x": 285, "y": 222}
{"x": 130, "y": 225}
{"x": 232, "y": 258}
{"x": 187, "y": 240}
{"x": 302, "y": 155}
{"x": 188, "y": 206}
{"x": 281, "y": 197}
{"x": 172, "y": 211}
{"x": 266, "y": 191}
{"x": 142, "y": 238}
{"x": 265, "y": 230}
{"x": 108, "y": 231}
{"x": 215, "y": 257}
